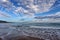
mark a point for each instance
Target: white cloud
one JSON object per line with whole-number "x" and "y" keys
{"x": 56, "y": 14}
{"x": 4, "y": 0}
{"x": 3, "y": 14}
{"x": 50, "y": 20}
{"x": 38, "y": 8}
{"x": 21, "y": 10}
{"x": 41, "y": 6}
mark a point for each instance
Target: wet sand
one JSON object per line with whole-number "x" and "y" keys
{"x": 24, "y": 38}
{"x": 8, "y": 32}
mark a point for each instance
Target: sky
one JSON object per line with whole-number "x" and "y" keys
{"x": 18, "y": 10}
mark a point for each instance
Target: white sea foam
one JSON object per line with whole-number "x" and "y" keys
{"x": 45, "y": 27}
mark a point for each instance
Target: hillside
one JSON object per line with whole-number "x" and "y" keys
{"x": 3, "y": 21}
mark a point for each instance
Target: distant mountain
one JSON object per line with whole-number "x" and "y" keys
{"x": 3, "y": 21}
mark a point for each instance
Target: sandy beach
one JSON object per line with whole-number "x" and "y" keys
{"x": 9, "y": 32}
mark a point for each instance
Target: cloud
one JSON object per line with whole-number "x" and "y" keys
{"x": 5, "y": 15}
{"x": 51, "y": 18}
{"x": 5, "y": 4}
{"x": 55, "y": 14}
{"x": 42, "y": 6}
{"x": 27, "y": 7}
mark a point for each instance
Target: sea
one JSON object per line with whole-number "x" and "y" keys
{"x": 37, "y": 25}
{"x": 34, "y": 25}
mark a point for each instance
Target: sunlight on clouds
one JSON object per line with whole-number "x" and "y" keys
{"x": 4, "y": 0}
{"x": 35, "y": 8}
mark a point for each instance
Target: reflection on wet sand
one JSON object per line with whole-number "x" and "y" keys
{"x": 9, "y": 32}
